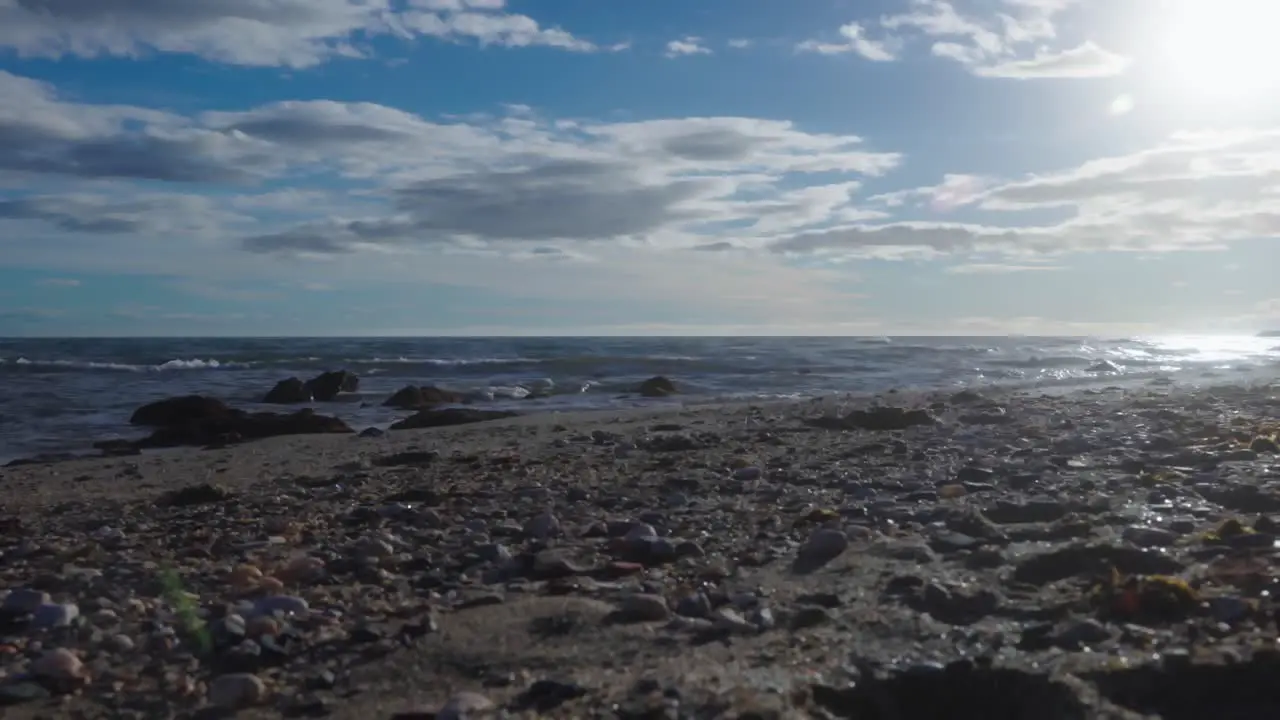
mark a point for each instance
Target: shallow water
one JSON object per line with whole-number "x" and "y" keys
{"x": 59, "y": 394}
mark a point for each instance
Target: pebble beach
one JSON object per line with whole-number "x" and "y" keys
{"x": 1102, "y": 553}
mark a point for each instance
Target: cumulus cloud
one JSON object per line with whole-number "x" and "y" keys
{"x": 1196, "y": 191}
{"x": 294, "y": 33}
{"x": 1018, "y": 41}
{"x": 687, "y": 45}
{"x": 854, "y": 40}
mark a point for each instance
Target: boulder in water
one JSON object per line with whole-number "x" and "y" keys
{"x": 1103, "y": 366}
{"x": 657, "y": 386}
{"x": 326, "y": 386}
{"x": 412, "y": 397}
{"x": 176, "y": 410}
{"x": 288, "y": 392}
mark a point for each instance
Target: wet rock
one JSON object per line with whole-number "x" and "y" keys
{"x": 238, "y": 425}
{"x": 327, "y": 386}
{"x": 657, "y": 386}
{"x": 1103, "y": 366}
{"x": 1032, "y": 511}
{"x": 1148, "y": 537}
{"x": 288, "y": 392}
{"x": 449, "y": 416}
{"x": 179, "y": 410}
{"x": 413, "y": 397}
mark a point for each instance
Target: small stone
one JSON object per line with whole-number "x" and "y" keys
{"x": 748, "y": 474}
{"x": 25, "y": 600}
{"x": 1148, "y": 537}
{"x": 641, "y": 531}
{"x": 58, "y": 664}
{"x": 122, "y": 643}
{"x": 55, "y": 615}
{"x": 244, "y": 577}
{"x": 237, "y": 690}
{"x": 643, "y": 608}
{"x": 542, "y": 526}
{"x": 287, "y": 604}
{"x": 465, "y": 706}
{"x": 823, "y": 545}
{"x": 952, "y": 491}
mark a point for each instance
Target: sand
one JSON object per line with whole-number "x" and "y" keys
{"x": 1015, "y": 556}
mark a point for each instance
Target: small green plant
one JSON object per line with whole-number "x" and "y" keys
{"x": 189, "y": 620}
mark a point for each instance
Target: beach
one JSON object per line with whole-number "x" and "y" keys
{"x": 1102, "y": 553}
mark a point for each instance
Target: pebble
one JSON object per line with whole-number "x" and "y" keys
{"x": 237, "y": 690}
{"x": 643, "y": 608}
{"x": 465, "y": 706}
{"x": 52, "y": 615}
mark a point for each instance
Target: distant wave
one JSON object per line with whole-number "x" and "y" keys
{"x": 28, "y": 364}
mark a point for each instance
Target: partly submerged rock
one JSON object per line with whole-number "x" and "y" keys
{"x": 238, "y": 426}
{"x": 176, "y": 410}
{"x": 288, "y": 392}
{"x": 326, "y": 386}
{"x": 657, "y": 386}
{"x": 413, "y": 397}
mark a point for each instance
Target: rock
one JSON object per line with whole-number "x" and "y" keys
{"x": 1103, "y": 366}
{"x": 179, "y": 411}
{"x": 237, "y": 690}
{"x": 202, "y": 494}
{"x": 288, "y": 392}
{"x": 1071, "y": 561}
{"x": 1264, "y": 445}
{"x": 326, "y": 386}
{"x": 412, "y": 397}
{"x": 286, "y": 604}
{"x": 238, "y": 425}
{"x": 465, "y": 706}
{"x": 25, "y": 600}
{"x": 823, "y": 545}
{"x": 449, "y": 416}
{"x": 58, "y": 664}
{"x": 880, "y": 419}
{"x": 657, "y": 386}
{"x": 1148, "y": 537}
{"x": 51, "y": 615}
{"x": 542, "y": 526}
{"x": 643, "y": 608}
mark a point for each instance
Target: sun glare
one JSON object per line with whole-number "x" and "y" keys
{"x": 1221, "y": 49}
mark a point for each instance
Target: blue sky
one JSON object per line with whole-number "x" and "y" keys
{"x": 354, "y": 167}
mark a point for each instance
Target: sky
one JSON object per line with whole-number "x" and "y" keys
{"x": 628, "y": 167}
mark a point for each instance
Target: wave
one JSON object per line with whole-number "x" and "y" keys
{"x": 28, "y": 364}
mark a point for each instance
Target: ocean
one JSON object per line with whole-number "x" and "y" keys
{"x": 59, "y": 395}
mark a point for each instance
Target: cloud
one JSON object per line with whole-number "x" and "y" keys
{"x": 1194, "y": 192}
{"x": 58, "y": 282}
{"x": 999, "y": 269}
{"x": 1084, "y": 61}
{"x": 855, "y": 41}
{"x": 740, "y": 43}
{"x": 293, "y": 33}
{"x": 688, "y": 45}
{"x": 1016, "y": 43}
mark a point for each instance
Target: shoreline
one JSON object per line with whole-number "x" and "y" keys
{"x": 712, "y": 552}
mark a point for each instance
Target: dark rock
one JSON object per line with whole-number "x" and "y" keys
{"x": 1079, "y": 560}
{"x": 289, "y": 391}
{"x": 372, "y": 432}
{"x": 546, "y": 695}
{"x": 880, "y": 419}
{"x": 657, "y": 386}
{"x": 449, "y": 416}
{"x": 1034, "y": 511}
{"x": 326, "y": 386}
{"x": 955, "y": 692}
{"x": 16, "y": 693}
{"x": 117, "y": 448}
{"x": 1103, "y": 366}
{"x": 238, "y": 425}
{"x": 1264, "y": 445}
{"x": 412, "y": 397}
{"x": 180, "y": 410}
{"x": 202, "y": 494}
{"x": 1189, "y": 691}
{"x": 410, "y": 458}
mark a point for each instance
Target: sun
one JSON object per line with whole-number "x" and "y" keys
{"x": 1220, "y": 49}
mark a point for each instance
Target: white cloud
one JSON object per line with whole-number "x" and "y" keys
{"x": 1084, "y": 61}
{"x": 295, "y": 33}
{"x": 999, "y": 269}
{"x": 1021, "y": 41}
{"x": 855, "y": 41}
{"x": 688, "y": 45}
{"x": 740, "y": 43}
